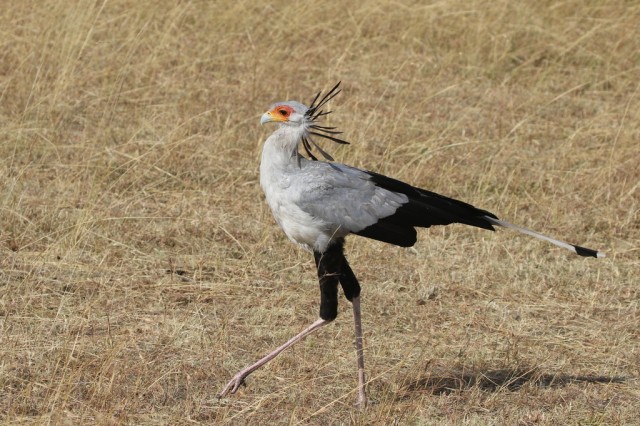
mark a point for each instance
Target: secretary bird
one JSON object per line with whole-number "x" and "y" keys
{"x": 317, "y": 204}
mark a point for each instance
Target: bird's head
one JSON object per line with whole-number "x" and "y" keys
{"x": 292, "y": 113}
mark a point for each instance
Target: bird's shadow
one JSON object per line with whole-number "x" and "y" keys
{"x": 506, "y": 379}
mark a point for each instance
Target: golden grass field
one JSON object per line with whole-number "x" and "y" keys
{"x": 141, "y": 267}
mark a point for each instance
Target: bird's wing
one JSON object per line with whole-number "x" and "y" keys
{"x": 343, "y": 196}
{"x": 376, "y": 206}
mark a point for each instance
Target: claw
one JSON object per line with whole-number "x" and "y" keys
{"x": 233, "y": 386}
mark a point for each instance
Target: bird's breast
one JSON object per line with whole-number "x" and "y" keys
{"x": 307, "y": 231}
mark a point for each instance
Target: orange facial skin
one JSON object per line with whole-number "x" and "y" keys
{"x": 280, "y": 113}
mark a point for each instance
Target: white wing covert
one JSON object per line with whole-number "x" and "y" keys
{"x": 343, "y": 196}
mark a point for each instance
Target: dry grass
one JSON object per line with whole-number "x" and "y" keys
{"x": 141, "y": 267}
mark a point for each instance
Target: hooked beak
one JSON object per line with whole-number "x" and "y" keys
{"x": 266, "y": 118}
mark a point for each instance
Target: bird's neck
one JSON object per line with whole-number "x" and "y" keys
{"x": 281, "y": 148}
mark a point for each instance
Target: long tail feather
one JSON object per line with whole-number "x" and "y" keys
{"x": 581, "y": 251}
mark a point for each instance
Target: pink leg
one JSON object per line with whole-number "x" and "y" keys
{"x": 238, "y": 379}
{"x": 362, "y": 396}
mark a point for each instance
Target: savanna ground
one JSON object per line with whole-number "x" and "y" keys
{"x": 141, "y": 268}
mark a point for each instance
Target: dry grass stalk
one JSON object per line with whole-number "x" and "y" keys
{"x": 140, "y": 267}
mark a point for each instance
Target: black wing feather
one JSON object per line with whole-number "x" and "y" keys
{"x": 424, "y": 209}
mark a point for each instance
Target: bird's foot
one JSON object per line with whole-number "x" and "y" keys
{"x": 363, "y": 404}
{"x": 362, "y": 401}
{"x": 235, "y": 383}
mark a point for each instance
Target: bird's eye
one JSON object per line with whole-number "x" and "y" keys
{"x": 283, "y": 112}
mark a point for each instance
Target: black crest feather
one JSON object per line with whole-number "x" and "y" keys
{"x": 314, "y": 113}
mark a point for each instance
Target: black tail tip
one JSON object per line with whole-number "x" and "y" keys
{"x": 587, "y": 252}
